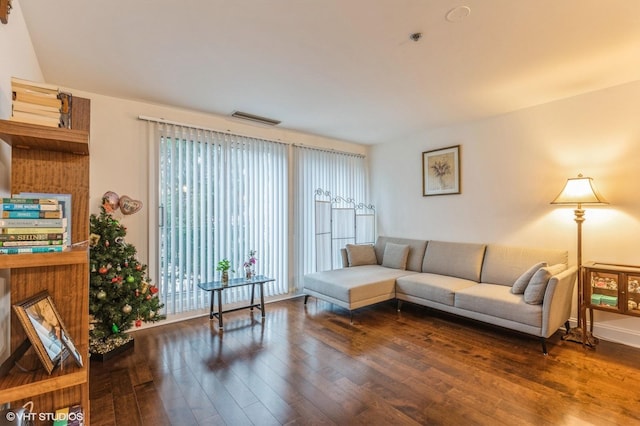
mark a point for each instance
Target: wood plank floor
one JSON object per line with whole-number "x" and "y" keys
{"x": 311, "y": 366}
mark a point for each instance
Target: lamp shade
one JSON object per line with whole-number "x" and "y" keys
{"x": 580, "y": 190}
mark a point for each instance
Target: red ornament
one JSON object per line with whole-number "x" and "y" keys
{"x": 103, "y": 270}
{"x": 138, "y": 267}
{"x": 148, "y": 297}
{"x": 138, "y": 322}
{"x": 114, "y": 279}
{"x": 153, "y": 289}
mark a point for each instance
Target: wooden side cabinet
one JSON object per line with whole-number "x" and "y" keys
{"x": 611, "y": 288}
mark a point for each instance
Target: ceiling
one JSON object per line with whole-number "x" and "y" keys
{"x": 345, "y": 69}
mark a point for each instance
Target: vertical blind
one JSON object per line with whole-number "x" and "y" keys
{"x": 340, "y": 174}
{"x": 220, "y": 196}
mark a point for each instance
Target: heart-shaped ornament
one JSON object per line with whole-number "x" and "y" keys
{"x": 110, "y": 201}
{"x": 129, "y": 206}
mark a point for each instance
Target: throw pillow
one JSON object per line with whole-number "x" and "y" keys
{"x": 534, "y": 293}
{"x": 395, "y": 256}
{"x": 521, "y": 283}
{"x": 361, "y": 254}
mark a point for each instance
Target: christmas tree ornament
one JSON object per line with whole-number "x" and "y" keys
{"x": 106, "y": 243}
{"x": 153, "y": 289}
{"x": 138, "y": 322}
{"x": 115, "y": 329}
{"x": 137, "y": 293}
{"x": 127, "y": 309}
{"x": 138, "y": 267}
{"x": 130, "y": 279}
{"x": 103, "y": 270}
{"x": 93, "y": 240}
{"x": 101, "y": 295}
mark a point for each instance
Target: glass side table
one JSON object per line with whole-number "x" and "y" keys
{"x": 217, "y": 287}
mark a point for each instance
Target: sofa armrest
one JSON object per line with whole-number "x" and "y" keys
{"x": 344, "y": 257}
{"x": 556, "y": 307}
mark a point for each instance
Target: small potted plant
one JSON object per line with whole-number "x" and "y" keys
{"x": 249, "y": 265}
{"x": 224, "y": 266}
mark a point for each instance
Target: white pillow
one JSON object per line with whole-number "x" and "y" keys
{"x": 395, "y": 256}
{"x": 534, "y": 293}
{"x": 521, "y": 283}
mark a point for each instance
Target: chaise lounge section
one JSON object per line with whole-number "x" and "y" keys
{"x": 524, "y": 289}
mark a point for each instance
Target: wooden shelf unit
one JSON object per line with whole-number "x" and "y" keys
{"x": 52, "y": 160}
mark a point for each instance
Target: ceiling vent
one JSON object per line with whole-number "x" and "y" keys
{"x": 255, "y": 118}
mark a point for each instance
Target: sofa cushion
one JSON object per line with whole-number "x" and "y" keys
{"x": 395, "y": 256}
{"x": 503, "y": 264}
{"x": 361, "y": 254}
{"x": 498, "y": 301}
{"x": 354, "y": 285}
{"x": 462, "y": 260}
{"x": 534, "y": 293}
{"x": 416, "y": 252}
{"x": 433, "y": 287}
{"x": 521, "y": 283}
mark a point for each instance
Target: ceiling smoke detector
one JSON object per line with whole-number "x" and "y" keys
{"x": 255, "y": 118}
{"x": 458, "y": 13}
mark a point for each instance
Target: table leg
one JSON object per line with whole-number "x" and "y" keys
{"x": 262, "y": 298}
{"x": 219, "y": 309}
{"x": 211, "y": 306}
{"x": 253, "y": 289}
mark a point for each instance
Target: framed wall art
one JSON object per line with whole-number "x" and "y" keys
{"x": 441, "y": 171}
{"x": 45, "y": 330}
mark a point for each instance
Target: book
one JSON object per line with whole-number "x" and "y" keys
{"x": 33, "y": 223}
{"x": 40, "y": 87}
{"x": 32, "y": 243}
{"x": 37, "y": 230}
{"x": 24, "y": 200}
{"x": 36, "y": 236}
{"x": 30, "y": 249}
{"x": 65, "y": 202}
{"x": 30, "y": 118}
{"x": 36, "y": 99}
{"x": 31, "y": 214}
{"x": 29, "y": 206}
{"x": 32, "y": 107}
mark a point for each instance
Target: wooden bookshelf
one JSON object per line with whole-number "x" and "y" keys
{"x": 52, "y": 160}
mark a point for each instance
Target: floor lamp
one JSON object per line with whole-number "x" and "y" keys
{"x": 579, "y": 191}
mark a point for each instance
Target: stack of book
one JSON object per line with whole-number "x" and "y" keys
{"x": 40, "y": 103}
{"x": 32, "y": 225}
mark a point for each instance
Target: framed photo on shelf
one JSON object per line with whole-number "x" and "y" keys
{"x": 45, "y": 330}
{"x": 441, "y": 171}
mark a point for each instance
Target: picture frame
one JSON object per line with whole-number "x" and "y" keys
{"x": 441, "y": 171}
{"x": 45, "y": 330}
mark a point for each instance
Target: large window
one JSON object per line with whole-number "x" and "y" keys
{"x": 221, "y": 195}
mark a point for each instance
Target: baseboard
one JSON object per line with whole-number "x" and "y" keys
{"x": 611, "y": 333}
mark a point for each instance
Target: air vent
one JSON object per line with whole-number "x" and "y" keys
{"x": 255, "y": 118}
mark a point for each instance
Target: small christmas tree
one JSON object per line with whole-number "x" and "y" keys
{"x": 120, "y": 292}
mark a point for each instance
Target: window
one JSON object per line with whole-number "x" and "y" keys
{"x": 220, "y": 196}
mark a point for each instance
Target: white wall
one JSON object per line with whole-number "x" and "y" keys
{"x": 17, "y": 59}
{"x": 513, "y": 166}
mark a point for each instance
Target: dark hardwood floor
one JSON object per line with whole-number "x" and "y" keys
{"x": 310, "y": 366}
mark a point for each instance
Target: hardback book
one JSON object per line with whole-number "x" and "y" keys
{"x": 29, "y": 207}
{"x": 36, "y": 230}
{"x": 30, "y": 249}
{"x": 39, "y": 87}
{"x": 31, "y": 118}
{"x": 31, "y": 214}
{"x": 37, "y": 108}
{"x": 25, "y": 200}
{"x": 36, "y": 98}
{"x": 36, "y": 243}
{"x": 35, "y": 236}
{"x": 33, "y": 223}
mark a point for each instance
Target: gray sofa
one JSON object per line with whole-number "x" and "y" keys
{"x": 524, "y": 289}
